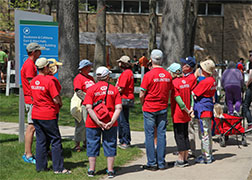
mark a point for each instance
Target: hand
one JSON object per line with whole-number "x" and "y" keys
{"x": 191, "y": 113}
{"x": 109, "y": 125}
{"x": 101, "y": 124}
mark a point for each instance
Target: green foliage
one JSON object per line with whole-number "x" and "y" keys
{"x": 13, "y": 167}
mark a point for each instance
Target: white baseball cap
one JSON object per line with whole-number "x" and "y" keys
{"x": 41, "y": 63}
{"x": 156, "y": 55}
{"x": 102, "y": 71}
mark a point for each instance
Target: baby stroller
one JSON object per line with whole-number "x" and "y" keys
{"x": 229, "y": 125}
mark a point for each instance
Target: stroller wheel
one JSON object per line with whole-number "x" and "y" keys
{"x": 244, "y": 142}
{"x": 222, "y": 141}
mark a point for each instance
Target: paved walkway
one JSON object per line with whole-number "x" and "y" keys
{"x": 234, "y": 162}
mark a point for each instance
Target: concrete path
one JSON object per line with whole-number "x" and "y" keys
{"x": 234, "y": 162}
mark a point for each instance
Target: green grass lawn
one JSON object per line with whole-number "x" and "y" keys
{"x": 9, "y": 112}
{"x": 12, "y": 165}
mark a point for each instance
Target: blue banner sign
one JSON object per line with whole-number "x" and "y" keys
{"x": 42, "y": 32}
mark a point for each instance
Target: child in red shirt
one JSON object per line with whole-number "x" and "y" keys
{"x": 203, "y": 94}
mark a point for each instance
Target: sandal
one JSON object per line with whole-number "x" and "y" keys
{"x": 77, "y": 149}
{"x": 64, "y": 171}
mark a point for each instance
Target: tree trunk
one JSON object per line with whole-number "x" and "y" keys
{"x": 152, "y": 26}
{"x": 45, "y": 7}
{"x": 67, "y": 14}
{"x": 178, "y": 29}
{"x": 100, "y": 46}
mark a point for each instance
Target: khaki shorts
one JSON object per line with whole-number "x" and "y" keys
{"x": 28, "y": 108}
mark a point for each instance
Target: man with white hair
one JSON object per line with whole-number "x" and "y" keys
{"x": 154, "y": 96}
{"x": 102, "y": 121}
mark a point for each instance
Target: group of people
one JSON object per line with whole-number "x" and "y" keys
{"x": 105, "y": 109}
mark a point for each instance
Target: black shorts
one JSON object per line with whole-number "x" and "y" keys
{"x": 2, "y": 68}
{"x": 181, "y": 136}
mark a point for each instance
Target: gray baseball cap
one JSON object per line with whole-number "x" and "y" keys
{"x": 33, "y": 47}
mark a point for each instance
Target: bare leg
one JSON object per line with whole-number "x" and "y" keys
{"x": 29, "y": 140}
{"x": 185, "y": 155}
{"x": 181, "y": 155}
{"x": 92, "y": 161}
{"x": 110, "y": 163}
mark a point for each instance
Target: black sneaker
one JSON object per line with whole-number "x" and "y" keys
{"x": 111, "y": 174}
{"x": 181, "y": 163}
{"x": 90, "y": 173}
{"x": 150, "y": 168}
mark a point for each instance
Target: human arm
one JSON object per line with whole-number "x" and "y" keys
{"x": 118, "y": 109}
{"x": 249, "y": 78}
{"x": 142, "y": 95}
{"x": 120, "y": 89}
{"x": 80, "y": 94}
{"x": 94, "y": 117}
{"x": 57, "y": 100}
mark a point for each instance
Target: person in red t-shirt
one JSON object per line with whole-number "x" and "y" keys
{"x": 28, "y": 72}
{"x": 188, "y": 65}
{"x": 107, "y": 126}
{"x": 44, "y": 115}
{"x": 154, "y": 96}
{"x": 181, "y": 103}
{"x": 125, "y": 85}
{"x": 81, "y": 83}
{"x": 203, "y": 94}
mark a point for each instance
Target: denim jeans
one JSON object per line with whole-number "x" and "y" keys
{"x": 246, "y": 106}
{"x": 124, "y": 127}
{"x": 47, "y": 132}
{"x": 151, "y": 120}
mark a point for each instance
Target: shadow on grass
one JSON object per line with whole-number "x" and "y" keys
{"x": 8, "y": 140}
{"x": 73, "y": 165}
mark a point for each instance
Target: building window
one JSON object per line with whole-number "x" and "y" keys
{"x": 144, "y": 7}
{"x": 159, "y": 6}
{"x": 131, "y": 6}
{"x": 210, "y": 9}
{"x": 113, "y": 6}
{"x": 214, "y": 9}
{"x": 92, "y": 5}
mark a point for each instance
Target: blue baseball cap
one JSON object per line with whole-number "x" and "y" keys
{"x": 189, "y": 60}
{"x": 84, "y": 63}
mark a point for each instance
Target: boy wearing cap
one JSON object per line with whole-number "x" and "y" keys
{"x": 188, "y": 65}
{"x": 203, "y": 94}
{"x": 53, "y": 69}
{"x": 106, "y": 127}
{"x": 154, "y": 96}
{"x": 125, "y": 85}
{"x": 44, "y": 115}
{"x": 81, "y": 83}
{"x": 181, "y": 103}
{"x": 28, "y": 72}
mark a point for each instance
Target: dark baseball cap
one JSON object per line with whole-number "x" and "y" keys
{"x": 189, "y": 60}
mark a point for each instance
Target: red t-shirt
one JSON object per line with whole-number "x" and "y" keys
{"x": 97, "y": 92}
{"x": 83, "y": 82}
{"x": 206, "y": 87}
{"x": 28, "y": 70}
{"x": 182, "y": 88}
{"x": 43, "y": 91}
{"x": 192, "y": 80}
{"x": 58, "y": 87}
{"x": 157, "y": 83}
{"x": 126, "y": 81}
